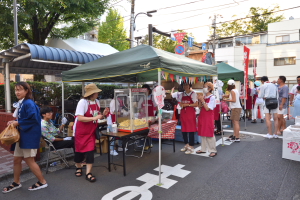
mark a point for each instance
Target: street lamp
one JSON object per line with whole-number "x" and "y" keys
{"x": 133, "y": 24}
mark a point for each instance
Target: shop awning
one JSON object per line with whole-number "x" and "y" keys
{"x": 138, "y": 64}
{"x": 36, "y": 59}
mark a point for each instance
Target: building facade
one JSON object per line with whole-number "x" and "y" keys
{"x": 275, "y": 52}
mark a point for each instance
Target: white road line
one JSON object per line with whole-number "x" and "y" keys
{"x": 250, "y": 133}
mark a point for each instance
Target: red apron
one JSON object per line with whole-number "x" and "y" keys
{"x": 85, "y": 132}
{"x": 151, "y": 107}
{"x": 188, "y": 115}
{"x": 249, "y": 99}
{"x": 206, "y": 122}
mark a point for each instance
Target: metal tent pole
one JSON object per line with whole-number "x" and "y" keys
{"x": 63, "y": 100}
{"x": 7, "y": 89}
{"x": 159, "y": 131}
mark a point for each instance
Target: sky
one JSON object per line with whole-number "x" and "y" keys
{"x": 193, "y": 16}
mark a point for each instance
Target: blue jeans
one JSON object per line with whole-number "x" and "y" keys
{"x": 112, "y": 145}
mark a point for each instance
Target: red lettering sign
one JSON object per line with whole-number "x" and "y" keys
{"x": 179, "y": 36}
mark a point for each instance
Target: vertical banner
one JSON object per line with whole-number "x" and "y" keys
{"x": 246, "y": 66}
{"x": 254, "y": 68}
{"x": 190, "y": 41}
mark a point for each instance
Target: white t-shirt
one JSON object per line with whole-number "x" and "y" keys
{"x": 212, "y": 102}
{"x": 294, "y": 90}
{"x": 82, "y": 108}
{"x": 235, "y": 104}
{"x": 193, "y": 96}
{"x": 112, "y": 108}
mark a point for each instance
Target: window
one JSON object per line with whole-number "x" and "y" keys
{"x": 252, "y": 62}
{"x": 285, "y": 61}
{"x": 225, "y": 44}
{"x": 282, "y": 38}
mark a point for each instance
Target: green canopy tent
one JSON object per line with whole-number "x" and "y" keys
{"x": 226, "y": 71}
{"x": 139, "y": 64}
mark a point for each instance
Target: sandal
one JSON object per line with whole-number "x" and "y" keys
{"x": 78, "y": 172}
{"x": 213, "y": 155}
{"x": 91, "y": 178}
{"x": 12, "y": 187}
{"x": 199, "y": 152}
{"x": 38, "y": 186}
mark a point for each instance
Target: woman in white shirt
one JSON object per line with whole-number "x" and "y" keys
{"x": 236, "y": 109}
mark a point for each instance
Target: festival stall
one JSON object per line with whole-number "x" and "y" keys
{"x": 141, "y": 64}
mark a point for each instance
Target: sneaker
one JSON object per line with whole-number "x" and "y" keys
{"x": 269, "y": 136}
{"x": 185, "y": 148}
{"x": 275, "y": 136}
{"x": 254, "y": 121}
{"x": 236, "y": 140}
{"x": 262, "y": 121}
{"x": 229, "y": 138}
{"x": 114, "y": 153}
{"x": 232, "y": 139}
{"x": 189, "y": 150}
{"x": 121, "y": 149}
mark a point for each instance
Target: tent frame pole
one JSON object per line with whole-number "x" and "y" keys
{"x": 159, "y": 131}
{"x": 62, "y": 100}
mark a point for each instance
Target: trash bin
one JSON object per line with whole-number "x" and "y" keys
{"x": 291, "y": 143}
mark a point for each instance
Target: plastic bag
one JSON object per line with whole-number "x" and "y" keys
{"x": 10, "y": 135}
{"x": 225, "y": 108}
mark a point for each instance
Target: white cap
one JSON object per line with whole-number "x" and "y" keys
{"x": 231, "y": 82}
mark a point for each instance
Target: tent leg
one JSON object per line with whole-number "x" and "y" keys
{"x": 159, "y": 132}
{"x": 7, "y": 89}
{"x": 62, "y": 100}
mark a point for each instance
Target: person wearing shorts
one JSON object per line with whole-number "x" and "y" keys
{"x": 269, "y": 90}
{"x": 283, "y": 93}
{"x": 236, "y": 109}
{"x": 28, "y": 121}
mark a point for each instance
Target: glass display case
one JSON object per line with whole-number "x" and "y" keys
{"x": 131, "y": 109}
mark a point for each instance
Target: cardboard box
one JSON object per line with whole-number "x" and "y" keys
{"x": 103, "y": 145}
{"x": 291, "y": 144}
{"x": 70, "y": 129}
{"x": 297, "y": 120}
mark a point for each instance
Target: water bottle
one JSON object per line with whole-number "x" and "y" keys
{"x": 114, "y": 128}
{"x": 53, "y": 164}
{"x": 226, "y": 126}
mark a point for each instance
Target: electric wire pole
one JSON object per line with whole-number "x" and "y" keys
{"x": 132, "y": 24}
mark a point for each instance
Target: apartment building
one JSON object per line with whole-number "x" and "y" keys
{"x": 275, "y": 52}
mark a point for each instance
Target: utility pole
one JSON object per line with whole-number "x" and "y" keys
{"x": 150, "y": 34}
{"x": 214, "y": 39}
{"x": 132, "y": 24}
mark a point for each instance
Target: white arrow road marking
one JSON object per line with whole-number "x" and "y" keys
{"x": 150, "y": 180}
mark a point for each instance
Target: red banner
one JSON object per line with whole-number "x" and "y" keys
{"x": 246, "y": 66}
{"x": 179, "y": 36}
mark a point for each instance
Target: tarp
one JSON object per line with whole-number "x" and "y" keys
{"x": 226, "y": 71}
{"x": 138, "y": 64}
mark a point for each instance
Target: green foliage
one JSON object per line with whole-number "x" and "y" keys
{"x": 257, "y": 20}
{"x": 52, "y": 92}
{"x": 38, "y": 19}
{"x": 112, "y": 31}
{"x": 163, "y": 42}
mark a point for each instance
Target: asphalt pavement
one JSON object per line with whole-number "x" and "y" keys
{"x": 250, "y": 169}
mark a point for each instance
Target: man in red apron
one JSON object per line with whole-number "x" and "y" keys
{"x": 188, "y": 118}
{"x": 87, "y": 115}
{"x": 206, "y": 121}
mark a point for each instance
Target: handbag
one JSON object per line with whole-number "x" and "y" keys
{"x": 224, "y": 106}
{"x": 97, "y": 133}
{"x": 10, "y": 135}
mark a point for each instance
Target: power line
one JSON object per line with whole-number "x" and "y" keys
{"x": 180, "y": 5}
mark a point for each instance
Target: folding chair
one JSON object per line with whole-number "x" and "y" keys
{"x": 59, "y": 152}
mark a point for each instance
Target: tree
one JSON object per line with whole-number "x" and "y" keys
{"x": 112, "y": 31}
{"x": 256, "y": 21}
{"x": 39, "y": 19}
{"x": 163, "y": 42}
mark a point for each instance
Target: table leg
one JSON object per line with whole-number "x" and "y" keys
{"x": 108, "y": 153}
{"x": 124, "y": 157}
{"x": 174, "y": 145}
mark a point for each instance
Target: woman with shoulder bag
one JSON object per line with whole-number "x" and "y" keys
{"x": 86, "y": 123}
{"x": 29, "y": 125}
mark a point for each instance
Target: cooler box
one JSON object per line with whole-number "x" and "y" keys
{"x": 179, "y": 138}
{"x": 291, "y": 143}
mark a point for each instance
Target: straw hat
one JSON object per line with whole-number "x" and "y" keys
{"x": 91, "y": 89}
